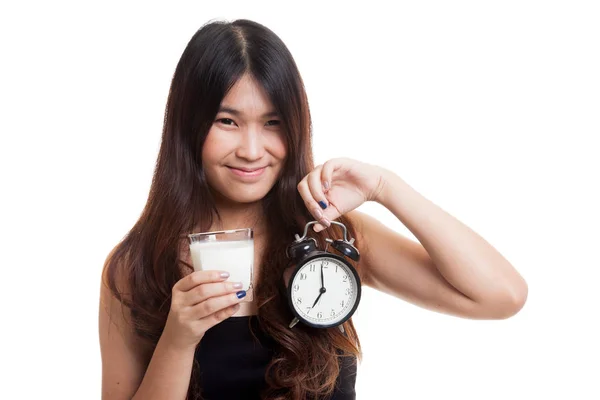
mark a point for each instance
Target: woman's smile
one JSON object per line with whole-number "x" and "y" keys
{"x": 247, "y": 174}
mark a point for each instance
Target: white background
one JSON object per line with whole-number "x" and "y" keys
{"x": 489, "y": 109}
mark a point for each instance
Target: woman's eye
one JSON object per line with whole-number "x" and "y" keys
{"x": 273, "y": 122}
{"x": 226, "y": 121}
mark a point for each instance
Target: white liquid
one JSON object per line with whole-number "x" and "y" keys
{"x": 235, "y": 257}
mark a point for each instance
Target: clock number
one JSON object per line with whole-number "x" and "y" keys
{"x": 302, "y": 276}
{"x": 336, "y": 269}
{"x": 333, "y": 312}
{"x": 319, "y": 315}
{"x": 296, "y": 287}
{"x": 342, "y": 303}
{"x": 299, "y": 300}
{"x": 312, "y": 268}
{"x": 347, "y": 291}
{"x": 345, "y": 278}
{"x": 308, "y": 309}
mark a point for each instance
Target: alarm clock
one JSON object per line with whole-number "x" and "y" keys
{"x": 323, "y": 289}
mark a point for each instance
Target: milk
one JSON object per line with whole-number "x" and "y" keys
{"x": 235, "y": 257}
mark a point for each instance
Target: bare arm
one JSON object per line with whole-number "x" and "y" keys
{"x": 132, "y": 370}
{"x": 124, "y": 361}
{"x": 168, "y": 375}
{"x": 452, "y": 270}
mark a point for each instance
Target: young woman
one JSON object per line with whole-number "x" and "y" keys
{"x": 235, "y": 153}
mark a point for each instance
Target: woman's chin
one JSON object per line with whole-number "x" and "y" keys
{"x": 247, "y": 196}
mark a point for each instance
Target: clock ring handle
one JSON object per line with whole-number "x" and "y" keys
{"x": 298, "y": 238}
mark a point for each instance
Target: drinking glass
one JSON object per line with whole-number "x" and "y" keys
{"x": 230, "y": 250}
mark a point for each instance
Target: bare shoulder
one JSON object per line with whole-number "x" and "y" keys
{"x": 363, "y": 222}
{"x": 368, "y": 230}
{"x": 379, "y": 244}
{"x": 124, "y": 356}
{"x": 400, "y": 266}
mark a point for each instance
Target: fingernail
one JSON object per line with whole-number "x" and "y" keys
{"x": 241, "y": 294}
{"x": 326, "y": 185}
{"x": 224, "y": 275}
{"x": 318, "y": 213}
{"x": 317, "y": 228}
{"x": 325, "y": 222}
{"x": 237, "y": 285}
{"x": 322, "y": 204}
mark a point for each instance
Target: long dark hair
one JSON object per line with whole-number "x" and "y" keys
{"x": 307, "y": 360}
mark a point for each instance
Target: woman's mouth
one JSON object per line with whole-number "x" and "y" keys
{"x": 246, "y": 172}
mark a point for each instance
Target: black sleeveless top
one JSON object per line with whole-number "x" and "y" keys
{"x": 233, "y": 363}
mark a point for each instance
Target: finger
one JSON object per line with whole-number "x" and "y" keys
{"x": 205, "y": 291}
{"x": 311, "y": 204}
{"x": 316, "y": 188}
{"x": 220, "y": 316}
{"x": 225, "y": 313}
{"x": 327, "y": 171}
{"x": 198, "y": 278}
{"x": 315, "y": 185}
{"x": 214, "y": 304}
{"x": 318, "y": 228}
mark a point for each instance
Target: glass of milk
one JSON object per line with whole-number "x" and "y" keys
{"x": 231, "y": 251}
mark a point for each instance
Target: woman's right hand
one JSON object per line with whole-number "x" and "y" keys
{"x": 199, "y": 301}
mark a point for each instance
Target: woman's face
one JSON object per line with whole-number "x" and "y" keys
{"x": 245, "y": 148}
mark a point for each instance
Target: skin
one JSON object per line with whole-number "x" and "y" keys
{"x": 245, "y": 134}
{"x": 451, "y": 269}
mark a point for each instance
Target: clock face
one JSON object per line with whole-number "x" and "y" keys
{"x": 328, "y": 300}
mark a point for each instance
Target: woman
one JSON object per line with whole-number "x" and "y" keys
{"x": 235, "y": 153}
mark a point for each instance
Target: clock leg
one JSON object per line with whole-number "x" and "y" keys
{"x": 294, "y": 322}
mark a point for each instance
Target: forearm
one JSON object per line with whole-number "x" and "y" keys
{"x": 168, "y": 374}
{"x": 466, "y": 260}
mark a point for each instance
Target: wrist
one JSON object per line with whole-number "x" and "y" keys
{"x": 176, "y": 347}
{"x": 384, "y": 181}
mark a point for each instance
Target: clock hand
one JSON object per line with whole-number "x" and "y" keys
{"x": 322, "y": 281}
{"x": 317, "y": 300}
{"x": 322, "y": 290}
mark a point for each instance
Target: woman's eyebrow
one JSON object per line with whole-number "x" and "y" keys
{"x": 238, "y": 113}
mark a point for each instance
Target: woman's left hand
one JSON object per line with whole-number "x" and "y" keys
{"x": 339, "y": 186}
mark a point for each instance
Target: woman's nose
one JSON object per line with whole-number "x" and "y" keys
{"x": 251, "y": 146}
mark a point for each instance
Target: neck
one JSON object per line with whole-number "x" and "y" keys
{"x": 249, "y": 216}
{"x": 239, "y": 215}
